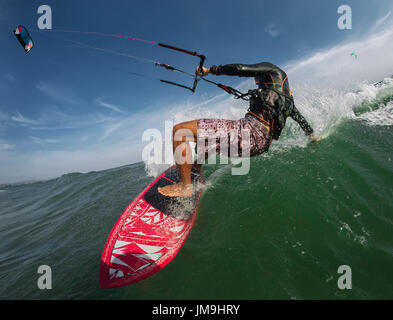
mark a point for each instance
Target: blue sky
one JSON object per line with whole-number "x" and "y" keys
{"x": 64, "y": 108}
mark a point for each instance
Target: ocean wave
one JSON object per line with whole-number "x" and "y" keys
{"x": 379, "y": 117}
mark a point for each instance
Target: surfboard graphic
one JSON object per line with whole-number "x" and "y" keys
{"x": 149, "y": 233}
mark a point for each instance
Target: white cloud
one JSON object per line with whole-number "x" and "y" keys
{"x": 272, "y": 30}
{"x": 23, "y": 120}
{"x": 336, "y": 67}
{"x": 108, "y": 106}
{"x": 54, "y": 119}
{"x": 42, "y": 140}
{"x": 381, "y": 21}
{"x": 72, "y": 121}
{"x": 4, "y": 145}
{"x": 57, "y": 93}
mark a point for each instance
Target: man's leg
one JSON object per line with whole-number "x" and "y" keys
{"x": 182, "y": 134}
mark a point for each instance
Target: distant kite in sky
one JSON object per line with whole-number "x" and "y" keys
{"x": 353, "y": 54}
{"x": 24, "y": 38}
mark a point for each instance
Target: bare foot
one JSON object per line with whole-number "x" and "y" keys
{"x": 176, "y": 190}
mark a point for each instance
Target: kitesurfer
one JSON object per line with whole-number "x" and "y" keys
{"x": 270, "y": 105}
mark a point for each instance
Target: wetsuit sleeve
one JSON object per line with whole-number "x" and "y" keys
{"x": 296, "y": 115}
{"x": 243, "y": 70}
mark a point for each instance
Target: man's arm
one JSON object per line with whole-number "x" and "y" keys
{"x": 243, "y": 70}
{"x": 297, "y": 116}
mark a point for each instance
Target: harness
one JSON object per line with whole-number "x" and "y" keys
{"x": 272, "y": 107}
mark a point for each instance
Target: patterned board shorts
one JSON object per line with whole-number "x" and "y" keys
{"x": 241, "y": 138}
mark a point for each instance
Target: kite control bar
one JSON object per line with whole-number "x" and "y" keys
{"x": 196, "y": 78}
{"x": 234, "y": 92}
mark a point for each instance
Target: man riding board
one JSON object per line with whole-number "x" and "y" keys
{"x": 270, "y": 105}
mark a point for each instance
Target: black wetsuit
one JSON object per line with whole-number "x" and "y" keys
{"x": 273, "y": 102}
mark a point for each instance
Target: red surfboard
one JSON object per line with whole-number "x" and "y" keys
{"x": 149, "y": 233}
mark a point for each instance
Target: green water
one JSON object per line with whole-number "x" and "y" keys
{"x": 280, "y": 232}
